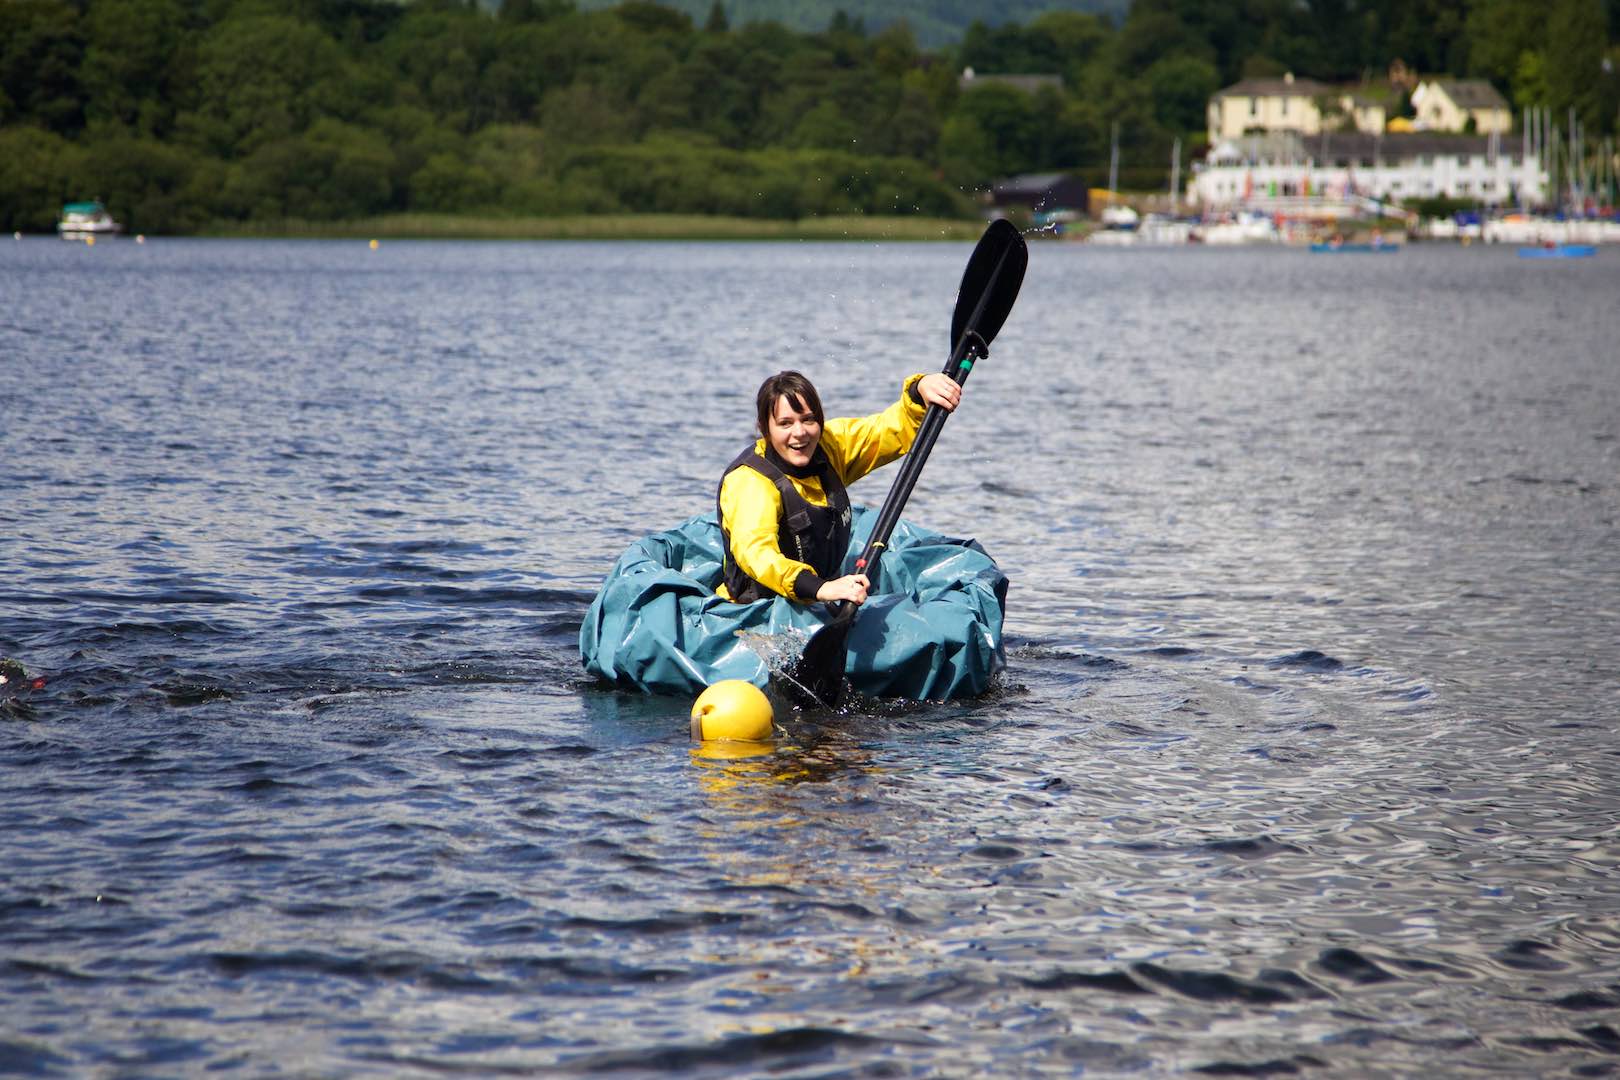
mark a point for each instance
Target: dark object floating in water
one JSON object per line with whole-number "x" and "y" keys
{"x": 14, "y": 678}
{"x": 15, "y": 687}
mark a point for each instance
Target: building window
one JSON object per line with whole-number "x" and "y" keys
{"x": 1285, "y": 106}
{"x": 1254, "y": 106}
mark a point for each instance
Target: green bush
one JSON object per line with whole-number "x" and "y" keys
{"x": 447, "y": 184}
{"x": 671, "y": 177}
{"x": 39, "y": 171}
{"x": 153, "y": 186}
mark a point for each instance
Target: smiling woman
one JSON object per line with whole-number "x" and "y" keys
{"x": 784, "y": 513}
{"x": 721, "y": 596}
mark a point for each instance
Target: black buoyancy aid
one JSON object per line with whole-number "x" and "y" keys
{"x": 817, "y": 535}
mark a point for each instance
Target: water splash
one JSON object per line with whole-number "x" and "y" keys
{"x": 781, "y": 651}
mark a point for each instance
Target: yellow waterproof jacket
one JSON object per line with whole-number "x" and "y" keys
{"x": 751, "y": 506}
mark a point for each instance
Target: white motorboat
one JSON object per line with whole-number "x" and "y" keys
{"x": 86, "y": 220}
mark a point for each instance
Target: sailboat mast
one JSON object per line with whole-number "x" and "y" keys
{"x": 1175, "y": 177}
{"x": 1113, "y": 162}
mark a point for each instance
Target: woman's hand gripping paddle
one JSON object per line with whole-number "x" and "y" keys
{"x": 989, "y": 286}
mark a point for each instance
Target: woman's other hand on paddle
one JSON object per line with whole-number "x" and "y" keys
{"x": 852, "y": 588}
{"x": 939, "y": 389}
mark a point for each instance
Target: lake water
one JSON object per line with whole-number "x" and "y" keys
{"x": 1304, "y": 761}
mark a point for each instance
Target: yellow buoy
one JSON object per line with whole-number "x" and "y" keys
{"x": 732, "y": 709}
{"x": 374, "y": 245}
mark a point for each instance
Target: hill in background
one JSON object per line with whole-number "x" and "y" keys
{"x": 934, "y": 22}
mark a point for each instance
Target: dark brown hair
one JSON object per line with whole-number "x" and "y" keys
{"x": 793, "y": 386}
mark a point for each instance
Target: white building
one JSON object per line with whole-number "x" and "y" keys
{"x": 1347, "y": 166}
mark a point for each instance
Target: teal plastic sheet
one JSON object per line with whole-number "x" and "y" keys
{"x": 930, "y": 630}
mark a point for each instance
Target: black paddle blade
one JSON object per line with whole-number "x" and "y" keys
{"x": 990, "y": 283}
{"x": 818, "y": 676}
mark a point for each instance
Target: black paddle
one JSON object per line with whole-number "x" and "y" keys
{"x": 989, "y": 287}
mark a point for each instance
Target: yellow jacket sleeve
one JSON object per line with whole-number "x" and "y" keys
{"x": 856, "y": 446}
{"x": 751, "y": 508}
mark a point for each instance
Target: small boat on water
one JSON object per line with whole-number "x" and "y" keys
{"x": 86, "y": 220}
{"x": 1246, "y": 227}
{"x": 1558, "y": 251}
{"x": 1327, "y": 247}
{"x": 931, "y": 629}
{"x": 1119, "y": 225}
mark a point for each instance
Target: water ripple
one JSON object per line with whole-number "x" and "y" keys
{"x": 1301, "y": 764}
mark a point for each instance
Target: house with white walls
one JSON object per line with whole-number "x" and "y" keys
{"x": 1349, "y": 167}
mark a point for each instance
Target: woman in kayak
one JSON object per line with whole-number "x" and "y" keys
{"x": 784, "y": 512}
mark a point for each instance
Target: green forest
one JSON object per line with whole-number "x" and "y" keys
{"x": 207, "y": 115}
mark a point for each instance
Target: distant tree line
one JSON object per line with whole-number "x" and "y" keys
{"x": 937, "y": 24}
{"x": 185, "y": 113}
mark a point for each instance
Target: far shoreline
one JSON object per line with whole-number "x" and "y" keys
{"x": 855, "y": 227}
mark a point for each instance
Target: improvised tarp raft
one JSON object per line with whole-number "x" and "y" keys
{"x": 930, "y": 630}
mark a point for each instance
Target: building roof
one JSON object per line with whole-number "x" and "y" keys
{"x": 1286, "y": 87}
{"x": 1472, "y": 93}
{"x": 1330, "y": 146}
{"x": 1397, "y": 145}
{"x": 1033, "y": 182}
{"x": 1041, "y": 190}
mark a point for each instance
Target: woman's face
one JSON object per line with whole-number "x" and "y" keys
{"x": 794, "y": 432}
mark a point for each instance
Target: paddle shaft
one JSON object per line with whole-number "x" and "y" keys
{"x": 959, "y": 367}
{"x": 889, "y": 513}
{"x": 818, "y": 675}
